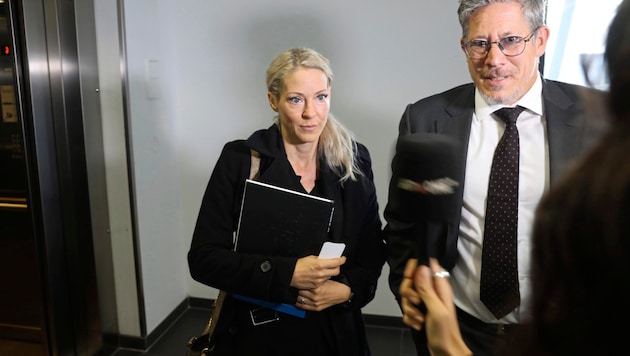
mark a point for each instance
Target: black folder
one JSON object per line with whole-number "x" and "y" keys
{"x": 275, "y": 221}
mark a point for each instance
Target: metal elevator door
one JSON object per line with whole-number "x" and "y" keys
{"x": 21, "y": 303}
{"x": 48, "y": 297}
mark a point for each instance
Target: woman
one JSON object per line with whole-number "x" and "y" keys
{"x": 305, "y": 150}
{"x": 581, "y": 254}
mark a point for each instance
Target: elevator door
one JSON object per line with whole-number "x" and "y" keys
{"x": 48, "y": 291}
{"x": 21, "y": 305}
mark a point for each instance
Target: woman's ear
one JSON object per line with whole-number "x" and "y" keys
{"x": 272, "y": 102}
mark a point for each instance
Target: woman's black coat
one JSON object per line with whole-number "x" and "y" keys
{"x": 356, "y": 222}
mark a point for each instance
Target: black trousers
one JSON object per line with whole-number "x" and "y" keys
{"x": 483, "y": 339}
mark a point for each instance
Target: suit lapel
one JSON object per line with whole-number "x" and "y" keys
{"x": 460, "y": 113}
{"x": 564, "y": 131}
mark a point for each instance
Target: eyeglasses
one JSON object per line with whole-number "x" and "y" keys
{"x": 510, "y": 46}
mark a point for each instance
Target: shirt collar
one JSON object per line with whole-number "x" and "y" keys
{"x": 532, "y": 101}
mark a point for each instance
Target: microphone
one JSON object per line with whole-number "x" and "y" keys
{"x": 425, "y": 185}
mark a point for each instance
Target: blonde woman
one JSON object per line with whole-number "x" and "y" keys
{"x": 309, "y": 151}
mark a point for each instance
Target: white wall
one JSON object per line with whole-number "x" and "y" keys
{"x": 210, "y": 88}
{"x": 384, "y": 55}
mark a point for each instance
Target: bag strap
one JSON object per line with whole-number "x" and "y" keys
{"x": 218, "y": 303}
{"x": 216, "y": 311}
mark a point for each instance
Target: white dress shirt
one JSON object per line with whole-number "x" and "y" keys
{"x": 486, "y": 131}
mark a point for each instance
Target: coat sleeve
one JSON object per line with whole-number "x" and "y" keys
{"x": 210, "y": 258}
{"x": 398, "y": 232}
{"x": 363, "y": 233}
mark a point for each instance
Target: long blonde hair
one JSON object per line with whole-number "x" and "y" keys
{"x": 336, "y": 143}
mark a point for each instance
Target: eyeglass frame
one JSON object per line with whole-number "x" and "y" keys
{"x": 498, "y": 43}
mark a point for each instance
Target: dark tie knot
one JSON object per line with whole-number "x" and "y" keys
{"x": 509, "y": 115}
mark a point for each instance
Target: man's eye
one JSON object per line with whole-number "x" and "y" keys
{"x": 511, "y": 40}
{"x": 479, "y": 44}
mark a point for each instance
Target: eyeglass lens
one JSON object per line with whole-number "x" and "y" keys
{"x": 510, "y": 46}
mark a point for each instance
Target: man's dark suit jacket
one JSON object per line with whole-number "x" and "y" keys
{"x": 572, "y": 123}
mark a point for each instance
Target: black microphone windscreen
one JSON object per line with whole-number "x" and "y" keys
{"x": 426, "y": 171}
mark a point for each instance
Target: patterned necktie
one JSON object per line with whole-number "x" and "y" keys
{"x": 499, "y": 271}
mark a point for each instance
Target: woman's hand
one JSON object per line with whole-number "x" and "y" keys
{"x": 328, "y": 294}
{"x": 409, "y": 297}
{"x": 312, "y": 272}
{"x": 433, "y": 287}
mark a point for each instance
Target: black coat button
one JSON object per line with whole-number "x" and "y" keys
{"x": 265, "y": 266}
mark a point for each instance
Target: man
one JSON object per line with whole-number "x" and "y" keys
{"x": 503, "y": 42}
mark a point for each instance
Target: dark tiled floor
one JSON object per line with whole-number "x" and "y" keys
{"x": 384, "y": 340}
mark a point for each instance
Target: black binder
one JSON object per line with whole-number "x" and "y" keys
{"x": 275, "y": 221}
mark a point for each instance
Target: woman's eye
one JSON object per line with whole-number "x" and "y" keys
{"x": 295, "y": 99}
{"x": 322, "y": 97}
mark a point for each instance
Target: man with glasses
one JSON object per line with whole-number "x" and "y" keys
{"x": 503, "y": 42}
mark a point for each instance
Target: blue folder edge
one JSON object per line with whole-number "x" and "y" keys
{"x": 281, "y": 307}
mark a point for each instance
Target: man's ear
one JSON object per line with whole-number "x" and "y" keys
{"x": 541, "y": 40}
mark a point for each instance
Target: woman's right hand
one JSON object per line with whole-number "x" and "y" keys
{"x": 433, "y": 287}
{"x": 312, "y": 272}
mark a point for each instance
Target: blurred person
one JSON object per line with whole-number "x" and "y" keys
{"x": 581, "y": 247}
{"x": 502, "y": 42}
{"x": 307, "y": 150}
